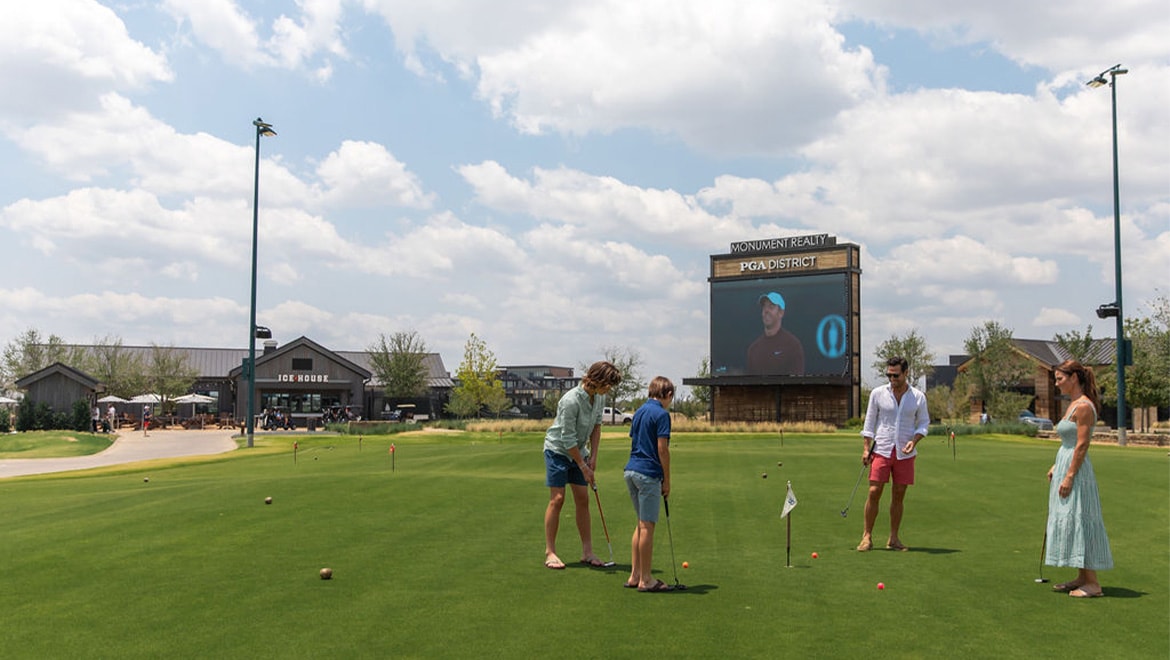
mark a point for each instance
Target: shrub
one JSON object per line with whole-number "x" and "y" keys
{"x": 80, "y": 419}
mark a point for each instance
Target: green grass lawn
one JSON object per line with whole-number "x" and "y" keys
{"x": 442, "y": 557}
{"x": 53, "y": 444}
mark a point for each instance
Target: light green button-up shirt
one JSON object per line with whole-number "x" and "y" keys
{"x": 576, "y": 417}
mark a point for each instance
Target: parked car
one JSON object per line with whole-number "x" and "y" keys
{"x": 1029, "y": 417}
{"x": 615, "y": 416}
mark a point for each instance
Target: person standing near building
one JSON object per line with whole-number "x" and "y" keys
{"x": 648, "y": 480}
{"x": 895, "y": 420}
{"x": 96, "y": 416}
{"x": 1076, "y": 529}
{"x": 112, "y": 416}
{"x": 570, "y": 457}
{"x": 146, "y": 417}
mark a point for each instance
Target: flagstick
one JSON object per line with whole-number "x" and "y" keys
{"x": 788, "y": 550}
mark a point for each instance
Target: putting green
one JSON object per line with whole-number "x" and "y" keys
{"x": 438, "y": 554}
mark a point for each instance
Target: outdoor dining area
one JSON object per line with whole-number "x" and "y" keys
{"x": 190, "y": 411}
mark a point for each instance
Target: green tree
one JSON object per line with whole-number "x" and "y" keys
{"x": 461, "y": 404}
{"x": 995, "y": 368}
{"x": 397, "y": 361}
{"x": 1147, "y": 380}
{"x": 30, "y": 352}
{"x": 497, "y": 401}
{"x": 629, "y": 364}
{"x": 121, "y": 371}
{"x": 169, "y": 374}
{"x": 479, "y": 380}
{"x": 702, "y": 393}
{"x": 950, "y": 403}
{"x": 551, "y": 399}
{"x": 1076, "y": 344}
{"x": 911, "y": 346}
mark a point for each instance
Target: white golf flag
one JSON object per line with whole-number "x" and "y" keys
{"x": 789, "y": 501}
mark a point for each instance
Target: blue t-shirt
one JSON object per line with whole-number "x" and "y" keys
{"x": 651, "y": 422}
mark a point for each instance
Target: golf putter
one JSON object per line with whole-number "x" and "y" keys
{"x": 597, "y": 497}
{"x": 670, "y": 534}
{"x": 1043, "y": 549}
{"x": 864, "y": 467}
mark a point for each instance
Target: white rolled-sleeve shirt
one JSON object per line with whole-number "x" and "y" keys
{"x": 891, "y": 424}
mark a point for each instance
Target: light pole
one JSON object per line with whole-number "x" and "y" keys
{"x": 262, "y": 129}
{"x": 1122, "y": 353}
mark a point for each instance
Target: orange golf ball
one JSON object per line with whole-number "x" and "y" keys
{"x": 814, "y": 555}
{"x": 881, "y": 585}
{"x": 686, "y": 565}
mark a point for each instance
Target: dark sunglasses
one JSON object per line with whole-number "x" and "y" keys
{"x": 890, "y": 375}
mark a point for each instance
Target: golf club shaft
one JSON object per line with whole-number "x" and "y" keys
{"x": 670, "y": 535}
{"x": 601, "y": 512}
{"x": 1043, "y": 550}
{"x": 864, "y": 466}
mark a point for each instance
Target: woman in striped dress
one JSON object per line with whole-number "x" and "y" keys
{"x": 1076, "y": 530}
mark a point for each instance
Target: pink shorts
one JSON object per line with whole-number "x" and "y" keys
{"x": 881, "y": 467}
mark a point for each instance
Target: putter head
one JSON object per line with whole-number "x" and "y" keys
{"x": 611, "y": 564}
{"x": 1041, "y": 580}
{"x": 844, "y": 513}
{"x": 680, "y": 587}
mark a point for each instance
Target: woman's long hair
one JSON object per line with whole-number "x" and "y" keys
{"x": 1085, "y": 377}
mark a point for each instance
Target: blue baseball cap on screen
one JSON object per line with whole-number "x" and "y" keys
{"x": 774, "y": 298}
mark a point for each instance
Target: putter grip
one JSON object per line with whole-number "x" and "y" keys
{"x": 666, "y": 505}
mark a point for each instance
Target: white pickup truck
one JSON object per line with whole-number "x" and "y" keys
{"x": 615, "y": 416}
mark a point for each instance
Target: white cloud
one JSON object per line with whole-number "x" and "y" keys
{"x": 224, "y": 26}
{"x": 1056, "y": 36}
{"x": 57, "y": 56}
{"x": 293, "y": 43}
{"x": 720, "y": 76}
{"x": 1060, "y": 318}
{"x": 605, "y": 205}
{"x": 367, "y": 174}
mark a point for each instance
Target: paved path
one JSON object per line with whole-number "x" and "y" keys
{"x": 129, "y": 447}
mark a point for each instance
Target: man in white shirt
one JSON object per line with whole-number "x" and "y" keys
{"x": 895, "y": 420}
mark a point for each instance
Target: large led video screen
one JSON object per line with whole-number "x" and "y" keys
{"x": 780, "y": 326}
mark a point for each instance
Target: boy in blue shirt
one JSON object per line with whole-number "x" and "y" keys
{"x": 648, "y": 480}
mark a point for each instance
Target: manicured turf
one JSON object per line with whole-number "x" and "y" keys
{"x": 443, "y": 556}
{"x": 53, "y": 444}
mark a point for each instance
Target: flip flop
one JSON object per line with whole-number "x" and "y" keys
{"x": 896, "y": 546}
{"x": 1081, "y": 593}
{"x": 554, "y": 565}
{"x": 1065, "y": 587}
{"x": 865, "y": 546}
{"x": 627, "y": 585}
{"x": 593, "y": 561}
{"x": 659, "y": 587}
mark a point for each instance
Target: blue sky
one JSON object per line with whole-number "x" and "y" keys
{"x": 555, "y": 177}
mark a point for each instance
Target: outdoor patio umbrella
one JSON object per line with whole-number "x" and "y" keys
{"x": 4, "y": 399}
{"x": 194, "y": 399}
{"x": 110, "y": 398}
{"x": 145, "y": 398}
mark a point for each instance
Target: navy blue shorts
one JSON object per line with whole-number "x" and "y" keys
{"x": 560, "y": 470}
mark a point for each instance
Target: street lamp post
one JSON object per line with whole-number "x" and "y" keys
{"x": 1122, "y": 353}
{"x": 265, "y": 130}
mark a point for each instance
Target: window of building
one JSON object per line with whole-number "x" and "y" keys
{"x": 302, "y": 364}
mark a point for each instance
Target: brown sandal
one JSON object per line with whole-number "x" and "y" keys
{"x": 1066, "y": 587}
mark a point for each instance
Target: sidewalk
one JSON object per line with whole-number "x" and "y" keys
{"x": 129, "y": 447}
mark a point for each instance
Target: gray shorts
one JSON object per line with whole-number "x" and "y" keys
{"x": 645, "y": 495}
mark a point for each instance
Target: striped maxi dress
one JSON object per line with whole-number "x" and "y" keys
{"x": 1076, "y": 530}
